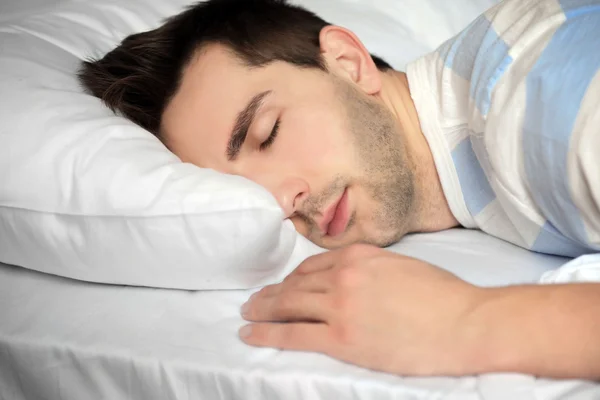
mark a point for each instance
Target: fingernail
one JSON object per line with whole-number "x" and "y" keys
{"x": 245, "y": 331}
{"x": 245, "y": 308}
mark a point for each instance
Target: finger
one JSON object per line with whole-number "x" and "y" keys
{"x": 288, "y": 306}
{"x": 293, "y": 336}
{"x": 316, "y": 282}
{"x": 329, "y": 259}
{"x": 317, "y": 262}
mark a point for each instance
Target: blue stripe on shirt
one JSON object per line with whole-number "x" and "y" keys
{"x": 556, "y": 87}
{"x": 491, "y": 63}
{"x": 480, "y": 56}
{"x": 475, "y": 186}
{"x": 551, "y": 241}
{"x": 575, "y": 8}
{"x": 459, "y": 53}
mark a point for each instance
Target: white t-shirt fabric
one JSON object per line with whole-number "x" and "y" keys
{"x": 511, "y": 110}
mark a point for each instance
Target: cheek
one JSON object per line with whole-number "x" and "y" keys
{"x": 317, "y": 142}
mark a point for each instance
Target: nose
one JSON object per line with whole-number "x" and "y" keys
{"x": 290, "y": 194}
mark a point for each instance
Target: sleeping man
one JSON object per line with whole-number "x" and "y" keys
{"x": 497, "y": 130}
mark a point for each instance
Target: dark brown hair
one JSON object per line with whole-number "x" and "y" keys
{"x": 139, "y": 77}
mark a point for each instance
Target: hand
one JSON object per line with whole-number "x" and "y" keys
{"x": 368, "y": 307}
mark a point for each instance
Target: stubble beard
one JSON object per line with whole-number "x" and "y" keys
{"x": 386, "y": 172}
{"x": 387, "y": 168}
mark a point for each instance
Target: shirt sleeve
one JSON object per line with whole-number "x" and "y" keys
{"x": 582, "y": 169}
{"x": 561, "y": 138}
{"x": 577, "y": 206}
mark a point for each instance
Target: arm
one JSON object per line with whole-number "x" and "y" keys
{"x": 391, "y": 313}
{"x": 552, "y": 331}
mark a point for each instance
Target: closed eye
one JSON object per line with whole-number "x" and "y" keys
{"x": 267, "y": 143}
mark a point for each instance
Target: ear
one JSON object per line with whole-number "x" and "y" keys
{"x": 346, "y": 56}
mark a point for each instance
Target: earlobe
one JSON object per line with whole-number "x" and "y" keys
{"x": 347, "y": 57}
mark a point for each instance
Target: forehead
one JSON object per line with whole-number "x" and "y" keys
{"x": 213, "y": 87}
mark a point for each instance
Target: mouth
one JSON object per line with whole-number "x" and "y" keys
{"x": 336, "y": 217}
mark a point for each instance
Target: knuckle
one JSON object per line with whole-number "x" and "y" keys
{"x": 345, "y": 334}
{"x": 286, "y": 302}
{"x": 306, "y": 265}
{"x": 289, "y": 281}
{"x": 348, "y": 277}
{"x": 343, "y": 304}
{"x": 265, "y": 291}
{"x": 259, "y": 333}
{"x": 293, "y": 281}
{"x": 287, "y": 335}
{"x": 277, "y": 338}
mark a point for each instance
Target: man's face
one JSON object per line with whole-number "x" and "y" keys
{"x": 332, "y": 155}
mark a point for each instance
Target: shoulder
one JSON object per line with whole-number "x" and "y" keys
{"x": 541, "y": 125}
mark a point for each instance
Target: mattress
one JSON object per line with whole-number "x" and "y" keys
{"x": 65, "y": 339}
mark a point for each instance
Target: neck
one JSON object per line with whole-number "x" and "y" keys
{"x": 432, "y": 212}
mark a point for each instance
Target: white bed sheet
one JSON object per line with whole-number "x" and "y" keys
{"x": 65, "y": 339}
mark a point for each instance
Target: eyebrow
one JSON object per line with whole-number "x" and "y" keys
{"x": 242, "y": 124}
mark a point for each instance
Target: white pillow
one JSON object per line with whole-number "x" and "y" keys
{"x": 88, "y": 195}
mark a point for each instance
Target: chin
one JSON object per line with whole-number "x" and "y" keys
{"x": 332, "y": 244}
{"x": 379, "y": 239}
{"x": 329, "y": 246}
{"x": 385, "y": 238}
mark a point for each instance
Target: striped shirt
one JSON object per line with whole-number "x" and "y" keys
{"x": 511, "y": 110}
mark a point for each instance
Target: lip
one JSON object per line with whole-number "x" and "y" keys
{"x": 336, "y": 217}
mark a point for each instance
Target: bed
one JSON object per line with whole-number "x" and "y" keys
{"x": 62, "y": 338}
